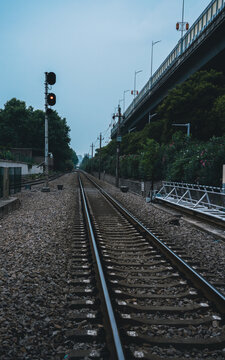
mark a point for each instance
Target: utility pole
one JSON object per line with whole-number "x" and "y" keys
{"x": 100, "y": 147}
{"x": 118, "y": 139}
{"x": 92, "y": 151}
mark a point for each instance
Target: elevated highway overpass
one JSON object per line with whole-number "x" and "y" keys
{"x": 202, "y": 47}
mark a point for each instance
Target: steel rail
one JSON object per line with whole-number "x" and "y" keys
{"x": 202, "y": 284}
{"x": 115, "y": 332}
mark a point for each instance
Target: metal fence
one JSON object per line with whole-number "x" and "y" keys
{"x": 201, "y": 198}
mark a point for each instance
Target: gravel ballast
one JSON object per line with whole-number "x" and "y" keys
{"x": 34, "y": 243}
{"x": 202, "y": 247}
{"x": 35, "y": 246}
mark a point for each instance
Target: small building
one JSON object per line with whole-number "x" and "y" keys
{"x": 26, "y": 169}
{"x": 30, "y": 155}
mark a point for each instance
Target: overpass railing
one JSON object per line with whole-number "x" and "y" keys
{"x": 198, "y": 27}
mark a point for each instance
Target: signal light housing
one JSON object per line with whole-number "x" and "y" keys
{"x": 51, "y": 99}
{"x": 49, "y": 111}
{"x": 51, "y": 78}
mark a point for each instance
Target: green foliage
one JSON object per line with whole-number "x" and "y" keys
{"x": 193, "y": 102}
{"x": 130, "y": 166}
{"x": 74, "y": 157}
{"x": 6, "y": 155}
{"x": 218, "y": 111}
{"x": 132, "y": 143}
{"x": 159, "y": 151}
{"x": 194, "y": 162}
{"x": 149, "y": 162}
{"x": 86, "y": 163}
{"x": 22, "y": 127}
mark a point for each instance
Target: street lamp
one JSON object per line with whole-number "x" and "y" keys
{"x": 188, "y": 126}
{"x": 125, "y": 91}
{"x": 120, "y": 101}
{"x": 150, "y": 117}
{"x": 135, "y": 74}
{"x": 130, "y": 130}
{"x": 153, "y": 43}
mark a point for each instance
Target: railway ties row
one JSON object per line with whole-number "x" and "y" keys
{"x": 160, "y": 315}
{"x": 85, "y": 336}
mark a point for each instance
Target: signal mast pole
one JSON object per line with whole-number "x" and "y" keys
{"x": 50, "y": 99}
{"x": 46, "y": 135}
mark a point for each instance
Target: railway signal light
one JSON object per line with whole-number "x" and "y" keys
{"x": 51, "y": 99}
{"x": 49, "y": 111}
{"x": 51, "y": 78}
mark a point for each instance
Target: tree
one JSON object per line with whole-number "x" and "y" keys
{"x": 192, "y": 102}
{"x": 14, "y": 126}
{"x": 23, "y": 127}
{"x": 219, "y": 113}
{"x": 74, "y": 157}
{"x": 86, "y": 163}
{"x": 150, "y": 159}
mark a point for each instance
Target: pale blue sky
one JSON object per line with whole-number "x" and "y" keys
{"x": 93, "y": 46}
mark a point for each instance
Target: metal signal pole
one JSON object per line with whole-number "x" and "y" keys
{"x": 50, "y": 99}
{"x": 46, "y": 136}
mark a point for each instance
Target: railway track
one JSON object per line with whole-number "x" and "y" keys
{"x": 30, "y": 183}
{"x": 133, "y": 296}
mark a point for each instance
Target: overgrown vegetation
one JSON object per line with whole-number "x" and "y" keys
{"x": 160, "y": 152}
{"x": 22, "y": 127}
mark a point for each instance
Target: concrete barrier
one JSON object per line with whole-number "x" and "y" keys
{"x": 7, "y": 206}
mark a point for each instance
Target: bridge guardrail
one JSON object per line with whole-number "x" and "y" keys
{"x": 199, "y": 26}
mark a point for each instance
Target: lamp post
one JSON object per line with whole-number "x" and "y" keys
{"x": 182, "y": 29}
{"x": 125, "y": 91}
{"x": 188, "y": 126}
{"x": 150, "y": 117}
{"x": 135, "y": 74}
{"x": 182, "y": 26}
{"x": 120, "y": 101}
{"x": 153, "y": 43}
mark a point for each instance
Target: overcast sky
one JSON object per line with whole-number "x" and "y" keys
{"x": 93, "y": 46}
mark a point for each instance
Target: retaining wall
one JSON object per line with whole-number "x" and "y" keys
{"x": 134, "y": 185}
